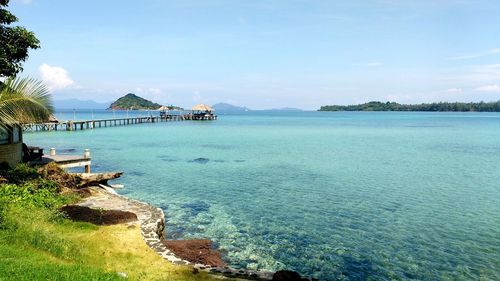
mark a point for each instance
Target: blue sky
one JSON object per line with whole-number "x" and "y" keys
{"x": 266, "y": 54}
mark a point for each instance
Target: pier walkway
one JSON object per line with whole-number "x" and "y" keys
{"x": 65, "y": 161}
{"x": 72, "y": 125}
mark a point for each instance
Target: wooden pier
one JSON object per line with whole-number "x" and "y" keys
{"x": 100, "y": 123}
{"x": 65, "y": 161}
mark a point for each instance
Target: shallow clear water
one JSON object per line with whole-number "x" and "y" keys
{"x": 337, "y": 196}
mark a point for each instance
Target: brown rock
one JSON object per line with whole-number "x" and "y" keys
{"x": 55, "y": 173}
{"x": 195, "y": 251}
{"x": 99, "y": 217}
{"x": 286, "y": 275}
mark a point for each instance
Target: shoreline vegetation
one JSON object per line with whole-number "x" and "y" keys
{"x": 54, "y": 226}
{"x": 37, "y": 242}
{"x": 424, "y": 107}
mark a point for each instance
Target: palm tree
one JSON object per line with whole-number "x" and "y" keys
{"x": 24, "y": 100}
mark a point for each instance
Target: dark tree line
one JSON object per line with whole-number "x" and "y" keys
{"x": 15, "y": 41}
{"x": 441, "y": 106}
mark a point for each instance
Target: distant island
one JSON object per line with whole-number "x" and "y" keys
{"x": 223, "y": 107}
{"x": 229, "y": 108}
{"x": 134, "y": 102}
{"x": 285, "y": 109}
{"x": 441, "y": 106}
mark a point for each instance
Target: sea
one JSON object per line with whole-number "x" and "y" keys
{"x": 331, "y": 195}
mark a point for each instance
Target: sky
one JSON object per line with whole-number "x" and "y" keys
{"x": 266, "y": 53}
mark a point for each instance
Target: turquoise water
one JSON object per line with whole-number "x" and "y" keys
{"x": 336, "y": 196}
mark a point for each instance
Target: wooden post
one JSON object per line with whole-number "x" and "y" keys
{"x": 86, "y": 154}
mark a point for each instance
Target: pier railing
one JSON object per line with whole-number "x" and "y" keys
{"x": 74, "y": 125}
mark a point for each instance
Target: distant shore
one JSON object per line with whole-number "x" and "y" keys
{"x": 424, "y": 107}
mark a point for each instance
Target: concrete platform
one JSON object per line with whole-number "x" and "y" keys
{"x": 65, "y": 161}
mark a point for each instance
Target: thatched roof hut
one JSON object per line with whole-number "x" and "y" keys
{"x": 202, "y": 107}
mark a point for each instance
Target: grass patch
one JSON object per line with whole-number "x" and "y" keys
{"x": 38, "y": 243}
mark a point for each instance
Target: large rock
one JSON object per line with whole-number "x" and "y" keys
{"x": 196, "y": 251}
{"x": 94, "y": 179}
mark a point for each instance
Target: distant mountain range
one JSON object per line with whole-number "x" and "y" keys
{"x": 79, "y": 104}
{"x": 228, "y": 108}
{"x": 132, "y": 101}
{"x": 285, "y": 109}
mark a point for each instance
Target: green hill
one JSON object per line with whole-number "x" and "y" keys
{"x": 131, "y": 101}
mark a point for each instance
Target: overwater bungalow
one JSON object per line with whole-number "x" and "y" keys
{"x": 203, "y": 112}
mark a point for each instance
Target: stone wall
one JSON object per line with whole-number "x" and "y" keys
{"x": 152, "y": 222}
{"x": 11, "y": 153}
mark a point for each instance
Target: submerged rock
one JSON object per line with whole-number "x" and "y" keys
{"x": 167, "y": 158}
{"x": 200, "y": 160}
{"x": 135, "y": 173}
{"x": 196, "y": 207}
{"x": 196, "y": 251}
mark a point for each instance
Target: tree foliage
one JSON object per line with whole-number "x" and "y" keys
{"x": 24, "y": 100}
{"x": 441, "y": 106}
{"x": 131, "y": 101}
{"x": 15, "y": 41}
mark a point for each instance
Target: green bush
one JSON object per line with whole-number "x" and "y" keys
{"x": 20, "y": 174}
{"x": 39, "y": 193}
{"x": 33, "y": 240}
{"x": 26, "y": 189}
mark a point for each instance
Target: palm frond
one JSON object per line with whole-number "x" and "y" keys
{"x": 24, "y": 100}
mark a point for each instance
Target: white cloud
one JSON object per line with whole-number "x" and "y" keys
{"x": 488, "y": 73}
{"x": 55, "y": 77}
{"x": 475, "y": 55}
{"x": 489, "y": 88}
{"x": 465, "y": 57}
{"x": 454, "y": 90}
{"x": 155, "y": 91}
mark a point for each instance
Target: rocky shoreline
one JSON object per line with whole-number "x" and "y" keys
{"x": 198, "y": 251}
{"x": 152, "y": 224}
